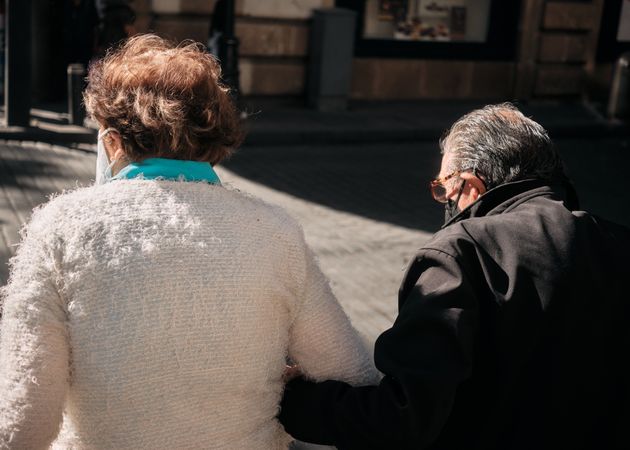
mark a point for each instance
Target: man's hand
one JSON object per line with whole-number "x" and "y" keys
{"x": 291, "y": 372}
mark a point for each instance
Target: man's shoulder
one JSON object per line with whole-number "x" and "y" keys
{"x": 449, "y": 247}
{"x": 529, "y": 235}
{"x": 453, "y": 239}
{"x": 612, "y": 229}
{"x": 498, "y": 233}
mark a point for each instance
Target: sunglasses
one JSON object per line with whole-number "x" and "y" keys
{"x": 439, "y": 191}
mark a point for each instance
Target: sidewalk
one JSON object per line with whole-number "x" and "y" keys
{"x": 363, "y": 255}
{"x": 30, "y": 172}
{"x": 364, "y": 206}
{"x": 273, "y": 122}
{"x": 288, "y": 122}
{"x": 49, "y": 124}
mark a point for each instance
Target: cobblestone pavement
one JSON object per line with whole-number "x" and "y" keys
{"x": 362, "y": 256}
{"x": 29, "y": 173}
{"x": 365, "y": 208}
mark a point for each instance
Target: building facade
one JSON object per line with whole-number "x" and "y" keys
{"x": 459, "y": 49}
{"x": 417, "y": 49}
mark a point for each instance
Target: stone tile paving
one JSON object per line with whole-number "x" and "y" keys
{"x": 364, "y": 208}
{"x": 29, "y": 173}
{"x": 363, "y": 257}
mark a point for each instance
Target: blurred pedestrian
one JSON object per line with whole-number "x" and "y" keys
{"x": 217, "y": 27}
{"x": 512, "y": 330}
{"x": 80, "y": 21}
{"x": 157, "y": 308}
{"x": 116, "y": 25}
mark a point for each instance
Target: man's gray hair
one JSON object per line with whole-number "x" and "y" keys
{"x": 502, "y": 145}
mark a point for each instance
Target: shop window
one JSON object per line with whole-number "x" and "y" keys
{"x": 427, "y": 20}
{"x": 451, "y": 29}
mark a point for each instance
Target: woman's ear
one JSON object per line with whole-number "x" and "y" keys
{"x": 119, "y": 154}
{"x": 114, "y": 147}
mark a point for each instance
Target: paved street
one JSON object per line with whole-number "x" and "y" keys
{"x": 363, "y": 221}
{"x": 364, "y": 208}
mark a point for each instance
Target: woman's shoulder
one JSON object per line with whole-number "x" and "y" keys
{"x": 75, "y": 207}
{"x": 59, "y": 207}
{"x": 52, "y": 219}
{"x": 257, "y": 209}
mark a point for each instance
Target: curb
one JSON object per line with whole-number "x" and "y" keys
{"x": 264, "y": 137}
{"x": 279, "y": 132}
{"x": 79, "y": 136}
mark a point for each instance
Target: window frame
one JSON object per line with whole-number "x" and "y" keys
{"x": 500, "y": 45}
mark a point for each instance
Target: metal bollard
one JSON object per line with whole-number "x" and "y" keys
{"x": 76, "y": 82}
{"x": 329, "y": 71}
{"x": 619, "y": 100}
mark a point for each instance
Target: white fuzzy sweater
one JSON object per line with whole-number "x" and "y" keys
{"x": 147, "y": 314}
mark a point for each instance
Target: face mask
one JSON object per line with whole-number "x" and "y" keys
{"x": 103, "y": 165}
{"x": 450, "y": 207}
{"x": 450, "y": 210}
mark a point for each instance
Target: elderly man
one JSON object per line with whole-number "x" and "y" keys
{"x": 512, "y": 330}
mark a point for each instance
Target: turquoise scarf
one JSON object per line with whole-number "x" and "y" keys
{"x": 169, "y": 169}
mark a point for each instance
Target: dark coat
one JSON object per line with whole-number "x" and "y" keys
{"x": 512, "y": 333}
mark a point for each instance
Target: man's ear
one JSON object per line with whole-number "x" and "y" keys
{"x": 474, "y": 192}
{"x": 477, "y": 188}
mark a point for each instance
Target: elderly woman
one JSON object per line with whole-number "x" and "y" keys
{"x": 156, "y": 309}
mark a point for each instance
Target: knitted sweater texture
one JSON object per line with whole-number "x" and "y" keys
{"x": 146, "y": 314}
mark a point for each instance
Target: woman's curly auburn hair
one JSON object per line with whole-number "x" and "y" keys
{"x": 165, "y": 101}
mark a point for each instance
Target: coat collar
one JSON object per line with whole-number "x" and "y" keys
{"x": 503, "y": 197}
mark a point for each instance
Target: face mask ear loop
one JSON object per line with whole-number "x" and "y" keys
{"x": 476, "y": 173}
{"x": 461, "y": 191}
{"x": 101, "y": 136}
{"x": 451, "y": 208}
{"x": 103, "y": 164}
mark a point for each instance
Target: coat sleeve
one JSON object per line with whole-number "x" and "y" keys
{"x": 425, "y": 356}
{"x": 322, "y": 340}
{"x": 34, "y": 353}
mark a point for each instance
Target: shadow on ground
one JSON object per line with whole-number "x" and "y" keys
{"x": 389, "y": 182}
{"x": 21, "y": 167}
